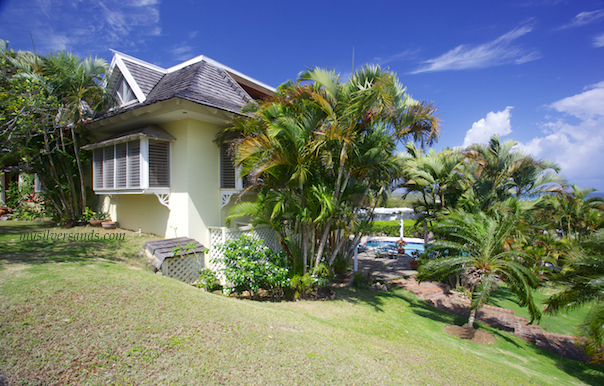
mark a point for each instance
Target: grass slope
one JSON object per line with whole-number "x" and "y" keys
{"x": 564, "y": 322}
{"x": 91, "y": 313}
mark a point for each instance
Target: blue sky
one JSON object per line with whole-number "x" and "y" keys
{"x": 529, "y": 70}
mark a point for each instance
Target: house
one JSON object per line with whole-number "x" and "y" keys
{"x": 156, "y": 166}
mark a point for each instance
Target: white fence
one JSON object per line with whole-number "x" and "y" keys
{"x": 218, "y": 235}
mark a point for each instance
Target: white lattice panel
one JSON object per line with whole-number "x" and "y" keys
{"x": 184, "y": 268}
{"x": 219, "y": 235}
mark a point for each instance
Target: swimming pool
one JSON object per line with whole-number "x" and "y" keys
{"x": 409, "y": 247}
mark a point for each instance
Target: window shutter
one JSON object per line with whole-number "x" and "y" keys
{"x": 97, "y": 162}
{"x": 227, "y": 169}
{"x": 108, "y": 165}
{"x": 159, "y": 164}
{"x": 134, "y": 164}
{"x": 120, "y": 165}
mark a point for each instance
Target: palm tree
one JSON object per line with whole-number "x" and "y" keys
{"x": 583, "y": 281}
{"x": 473, "y": 245}
{"x": 326, "y": 147}
{"x": 573, "y": 212}
{"x": 77, "y": 86}
{"x": 497, "y": 171}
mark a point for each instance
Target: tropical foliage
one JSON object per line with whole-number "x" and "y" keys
{"x": 45, "y": 101}
{"x": 473, "y": 246}
{"x": 319, "y": 151}
{"x": 583, "y": 283}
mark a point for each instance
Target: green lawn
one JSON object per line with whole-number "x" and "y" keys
{"x": 565, "y": 322}
{"x": 91, "y": 313}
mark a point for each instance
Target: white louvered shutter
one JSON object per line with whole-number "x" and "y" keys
{"x": 159, "y": 164}
{"x": 108, "y": 167}
{"x": 121, "y": 166}
{"x": 97, "y": 166}
{"x": 228, "y": 176}
{"x": 134, "y": 164}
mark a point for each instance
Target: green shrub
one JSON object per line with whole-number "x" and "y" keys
{"x": 208, "y": 280}
{"x": 249, "y": 266}
{"x": 391, "y": 228}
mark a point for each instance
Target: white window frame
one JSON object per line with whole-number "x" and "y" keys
{"x": 143, "y": 187}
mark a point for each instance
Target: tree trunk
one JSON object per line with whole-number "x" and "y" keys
{"x": 471, "y": 318}
{"x": 76, "y": 150}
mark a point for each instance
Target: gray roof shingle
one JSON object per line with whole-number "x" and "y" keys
{"x": 145, "y": 77}
{"x": 200, "y": 82}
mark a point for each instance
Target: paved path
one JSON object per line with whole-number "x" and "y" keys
{"x": 444, "y": 299}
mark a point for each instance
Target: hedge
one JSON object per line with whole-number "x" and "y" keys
{"x": 391, "y": 228}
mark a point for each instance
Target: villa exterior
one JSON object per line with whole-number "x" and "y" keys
{"x": 155, "y": 163}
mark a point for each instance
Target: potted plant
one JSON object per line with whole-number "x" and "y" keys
{"x": 98, "y": 218}
{"x": 400, "y": 246}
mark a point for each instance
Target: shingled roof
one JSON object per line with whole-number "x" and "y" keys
{"x": 200, "y": 80}
{"x": 201, "y": 83}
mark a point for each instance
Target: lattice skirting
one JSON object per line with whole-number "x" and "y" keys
{"x": 184, "y": 268}
{"x": 220, "y": 235}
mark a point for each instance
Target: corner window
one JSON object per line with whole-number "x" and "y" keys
{"x": 134, "y": 165}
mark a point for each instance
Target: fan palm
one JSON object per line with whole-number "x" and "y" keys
{"x": 583, "y": 281}
{"x": 474, "y": 247}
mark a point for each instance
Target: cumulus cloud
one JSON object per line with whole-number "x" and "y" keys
{"x": 494, "y": 53}
{"x": 484, "y": 129}
{"x": 74, "y": 25}
{"x": 577, "y": 147}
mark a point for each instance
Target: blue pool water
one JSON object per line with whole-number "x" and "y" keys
{"x": 410, "y": 247}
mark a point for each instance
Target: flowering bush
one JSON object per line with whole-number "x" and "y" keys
{"x": 249, "y": 266}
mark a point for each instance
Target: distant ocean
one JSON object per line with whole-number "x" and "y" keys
{"x": 595, "y": 194}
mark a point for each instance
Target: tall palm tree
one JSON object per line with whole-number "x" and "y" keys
{"x": 497, "y": 171}
{"x": 329, "y": 146}
{"x": 78, "y": 87}
{"x": 472, "y": 244}
{"x": 573, "y": 212}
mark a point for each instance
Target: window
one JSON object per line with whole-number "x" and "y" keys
{"x": 229, "y": 174}
{"x": 132, "y": 166}
{"x": 123, "y": 91}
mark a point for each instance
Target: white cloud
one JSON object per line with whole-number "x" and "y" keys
{"x": 484, "y": 129}
{"x": 82, "y": 27}
{"x": 494, "y": 53}
{"x": 577, "y": 148}
{"x": 585, "y": 18}
{"x": 599, "y": 41}
{"x": 401, "y": 56}
{"x": 182, "y": 52}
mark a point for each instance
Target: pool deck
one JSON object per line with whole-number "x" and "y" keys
{"x": 386, "y": 266}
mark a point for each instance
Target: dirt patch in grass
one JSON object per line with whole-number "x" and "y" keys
{"x": 471, "y": 334}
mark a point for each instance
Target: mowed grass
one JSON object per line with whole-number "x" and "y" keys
{"x": 564, "y": 322}
{"x": 91, "y": 313}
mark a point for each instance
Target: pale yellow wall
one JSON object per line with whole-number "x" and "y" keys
{"x": 142, "y": 211}
{"x": 203, "y": 180}
{"x": 195, "y": 188}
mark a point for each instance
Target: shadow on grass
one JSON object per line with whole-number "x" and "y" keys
{"x": 16, "y": 248}
{"x": 589, "y": 374}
